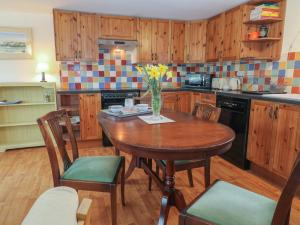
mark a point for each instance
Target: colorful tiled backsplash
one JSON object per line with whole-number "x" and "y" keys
{"x": 115, "y": 71}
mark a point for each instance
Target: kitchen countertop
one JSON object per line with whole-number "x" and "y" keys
{"x": 281, "y": 98}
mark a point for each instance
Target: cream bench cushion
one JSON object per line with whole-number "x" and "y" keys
{"x": 56, "y": 206}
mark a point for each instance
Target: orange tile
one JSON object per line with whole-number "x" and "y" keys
{"x": 295, "y": 90}
{"x": 288, "y": 81}
{"x": 297, "y": 56}
{"x": 282, "y": 65}
{"x": 291, "y": 55}
{"x": 297, "y": 73}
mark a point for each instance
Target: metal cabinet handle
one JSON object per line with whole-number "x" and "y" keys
{"x": 276, "y": 113}
{"x": 271, "y": 112}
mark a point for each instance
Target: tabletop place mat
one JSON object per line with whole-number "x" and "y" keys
{"x": 149, "y": 119}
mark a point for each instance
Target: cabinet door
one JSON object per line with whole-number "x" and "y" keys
{"x": 260, "y": 135}
{"x": 87, "y": 46}
{"x": 178, "y": 41}
{"x": 287, "y": 139}
{"x": 65, "y": 32}
{"x": 145, "y": 41}
{"x": 89, "y": 107}
{"x": 169, "y": 101}
{"x": 118, "y": 27}
{"x": 195, "y": 41}
{"x": 215, "y": 34}
{"x": 184, "y": 102}
{"x": 161, "y": 41}
{"x": 208, "y": 99}
{"x": 232, "y": 34}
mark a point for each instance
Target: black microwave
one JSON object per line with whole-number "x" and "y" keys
{"x": 198, "y": 80}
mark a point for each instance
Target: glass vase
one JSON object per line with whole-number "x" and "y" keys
{"x": 156, "y": 104}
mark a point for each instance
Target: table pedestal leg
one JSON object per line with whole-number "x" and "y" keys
{"x": 171, "y": 196}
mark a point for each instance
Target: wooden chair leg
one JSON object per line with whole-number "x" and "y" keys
{"x": 207, "y": 173}
{"x": 113, "y": 202}
{"x": 190, "y": 176}
{"x": 117, "y": 151}
{"x": 123, "y": 184}
{"x": 149, "y": 177}
{"x": 157, "y": 170}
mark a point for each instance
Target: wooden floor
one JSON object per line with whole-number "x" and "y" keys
{"x": 25, "y": 174}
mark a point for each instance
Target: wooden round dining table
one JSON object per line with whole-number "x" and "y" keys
{"x": 188, "y": 138}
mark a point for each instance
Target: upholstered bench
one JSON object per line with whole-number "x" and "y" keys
{"x": 59, "y": 206}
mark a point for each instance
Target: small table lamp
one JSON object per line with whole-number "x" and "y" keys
{"x": 42, "y": 67}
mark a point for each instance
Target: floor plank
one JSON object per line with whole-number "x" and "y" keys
{"x": 25, "y": 174}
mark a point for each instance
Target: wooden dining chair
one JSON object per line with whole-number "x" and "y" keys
{"x": 205, "y": 112}
{"x": 94, "y": 173}
{"x": 225, "y": 203}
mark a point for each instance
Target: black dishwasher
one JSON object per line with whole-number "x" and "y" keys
{"x": 235, "y": 114}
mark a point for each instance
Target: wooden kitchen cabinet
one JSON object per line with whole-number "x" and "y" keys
{"x": 261, "y": 124}
{"x": 232, "y": 34}
{"x": 274, "y": 136}
{"x": 75, "y": 37}
{"x": 287, "y": 138}
{"x": 170, "y": 101}
{"x": 117, "y": 27}
{"x": 89, "y": 107}
{"x": 184, "y": 102}
{"x": 145, "y": 31}
{"x": 154, "y": 41}
{"x": 204, "y": 98}
{"x": 195, "y": 41}
{"x": 178, "y": 41}
{"x": 215, "y": 36}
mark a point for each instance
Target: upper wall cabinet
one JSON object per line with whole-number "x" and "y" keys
{"x": 117, "y": 27}
{"x": 154, "y": 38}
{"x": 215, "y": 35}
{"x": 232, "y": 34}
{"x": 74, "y": 36}
{"x": 177, "y": 41}
{"x": 195, "y": 41}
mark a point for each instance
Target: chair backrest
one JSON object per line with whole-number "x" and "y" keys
{"x": 282, "y": 212}
{"x": 206, "y": 112}
{"x": 55, "y": 121}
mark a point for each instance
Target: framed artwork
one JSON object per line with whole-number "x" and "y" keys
{"x": 15, "y": 43}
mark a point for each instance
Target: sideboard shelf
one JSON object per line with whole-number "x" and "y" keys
{"x": 18, "y": 122}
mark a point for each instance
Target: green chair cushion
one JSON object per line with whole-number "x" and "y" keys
{"x": 97, "y": 168}
{"x": 179, "y": 162}
{"x": 227, "y": 204}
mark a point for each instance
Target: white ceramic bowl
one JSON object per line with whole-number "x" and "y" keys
{"x": 115, "y": 108}
{"x": 142, "y": 107}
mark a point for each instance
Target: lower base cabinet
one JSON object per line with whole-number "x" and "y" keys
{"x": 89, "y": 107}
{"x": 204, "y": 98}
{"x": 274, "y": 136}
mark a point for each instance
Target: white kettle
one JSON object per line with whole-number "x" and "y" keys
{"x": 235, "y": 84}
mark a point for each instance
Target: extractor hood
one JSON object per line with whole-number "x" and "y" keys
{"x": 130, "y": 47}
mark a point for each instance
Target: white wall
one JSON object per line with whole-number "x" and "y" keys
{"x": 43, "y": 47}
{"x": 291, "y": 40}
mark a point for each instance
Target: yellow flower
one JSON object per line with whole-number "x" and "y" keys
{"x": 162, "y": 69}
{"x": 154, "y": 73}
{"x": 139, "y": 69}
{"x": 169, "y": 74}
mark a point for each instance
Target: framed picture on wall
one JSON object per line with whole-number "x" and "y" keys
{"x": 15, "y": 43}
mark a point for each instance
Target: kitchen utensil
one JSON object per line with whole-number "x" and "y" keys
{"x": 142, "y": 107}
{"x": 235, "y": 84}
{"x": 215, "y": 83}
{"x": 253, "y": 35}
{"x": 115, "y": 108}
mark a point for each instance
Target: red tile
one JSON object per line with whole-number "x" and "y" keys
{"x": 257, "y": 66}
{"x": 245, "y": 80}
{"x": 295, "y": 90}
{"x": 118, "y": 73}
{"x": 297, "y": 73}
{"x": 70, "y": 67}
{"x": 78, "y": 86}
{"x": 291, "y": 55}
{"x": 89, "y": 67}
{"x": 123, "y": 62}
{"x": 112, "y": 62}
{"x": 260, "y": 87}
{"x": 134, "y": 79}
{"x": 90, "y": 79}
{"x": 112, "y": 79}
{"x": 140, "y": 85}
{"x": 64, "y": 79}
{"x": 101, "y": 73}
{"x": 107, "y": 85}
{"x": 101, "y": 56}
{"x": 192, "y": 69}
{"x": 268, "y": 80}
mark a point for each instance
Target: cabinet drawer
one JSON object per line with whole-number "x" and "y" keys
{"x": 208, "y": 98}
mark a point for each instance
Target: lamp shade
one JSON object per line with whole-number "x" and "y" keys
{"x": 42, "y": 67}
